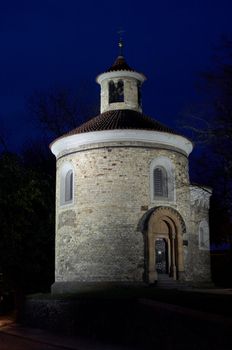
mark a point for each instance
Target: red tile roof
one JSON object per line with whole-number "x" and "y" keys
{"x": 120, "y": 119}
{"x": 120, "y": 64}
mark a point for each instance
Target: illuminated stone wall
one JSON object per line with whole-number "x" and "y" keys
{"x": 198, "y": 258}
{"x": 130, "y": 96}
{"x": 98, "y": 236}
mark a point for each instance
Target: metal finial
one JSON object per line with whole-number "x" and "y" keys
{"x": 120, "y": 42}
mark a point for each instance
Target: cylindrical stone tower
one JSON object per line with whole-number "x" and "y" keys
{"x": 122, "y": 186}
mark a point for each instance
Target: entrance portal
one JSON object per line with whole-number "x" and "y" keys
{"x": 165, "y": 244}
{"x": 161, "y": 253}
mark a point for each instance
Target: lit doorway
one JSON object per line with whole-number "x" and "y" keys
{"x": 161, "y": 254}
{"x": 165, "y": 244}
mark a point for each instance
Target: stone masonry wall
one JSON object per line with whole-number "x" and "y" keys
{"x": 97, "y": 237}
{"x": 130, "y": 96}
{"x": 198, "y": 261}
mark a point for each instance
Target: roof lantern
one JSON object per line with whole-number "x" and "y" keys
{"x": 120, "y": 86}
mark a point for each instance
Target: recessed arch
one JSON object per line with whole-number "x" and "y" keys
{"x": 143, "y": 222}
{"x": 164, "y": 223}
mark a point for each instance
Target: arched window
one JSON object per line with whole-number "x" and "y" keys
{"x": 139, "y": 93}
{"x": 160, "y": 182}
{"x": 66, "y": 184}
{"x": 204, "y": 235}
{"x": 116, "y": 91}
{"x": 111, "y": 92}
{"x": 162, "y": 179}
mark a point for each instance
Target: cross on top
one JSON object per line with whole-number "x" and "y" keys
{"x": 120, "y": 42}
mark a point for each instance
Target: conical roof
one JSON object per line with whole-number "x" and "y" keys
{"x": 120, "y": 64}
{"x": 120, "y": 119}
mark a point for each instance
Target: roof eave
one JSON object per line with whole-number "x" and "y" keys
{"x": 121, "y": 74}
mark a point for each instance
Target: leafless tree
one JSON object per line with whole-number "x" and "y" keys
{"x": 210, "y": 125}
{"x": 60, "y": 110}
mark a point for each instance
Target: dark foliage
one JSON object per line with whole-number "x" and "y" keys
{"x": 27, "y": 195}
{"x": 27, "y": 224}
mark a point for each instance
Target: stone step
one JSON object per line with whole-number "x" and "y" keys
{"x": 164, "y": 281}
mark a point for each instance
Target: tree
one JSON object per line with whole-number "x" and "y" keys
{"x": 60, "y": 110}
{"x": 27, "y": 219}
{"x": 212, "y": 129}
{"x": 27, "y": 195}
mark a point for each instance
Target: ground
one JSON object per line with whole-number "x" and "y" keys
{"x": 168, "y": 319}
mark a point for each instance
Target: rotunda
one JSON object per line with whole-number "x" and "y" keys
{"x": 125, "y": 209}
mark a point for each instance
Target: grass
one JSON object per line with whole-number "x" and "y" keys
{"x": 207, "y": 302}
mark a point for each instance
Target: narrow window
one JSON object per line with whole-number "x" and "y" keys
{"x": 69, "y": 186}
{"x": 111, "y": 92}
{"x": 120, "y": 91}
{"x": 202, "y": 238}
{"x": 160, "y": 182}
{"x": 204, "y": 235}
{"x": 116, "y": 91}
{"x": 162, "y": 179}
{"x": 139, "y": 94}
{"x": 66, "y": 184}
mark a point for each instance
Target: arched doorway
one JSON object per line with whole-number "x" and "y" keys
{"x": 165, "y": 244}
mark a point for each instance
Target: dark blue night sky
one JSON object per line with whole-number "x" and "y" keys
{"x": 50, "y": 43}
